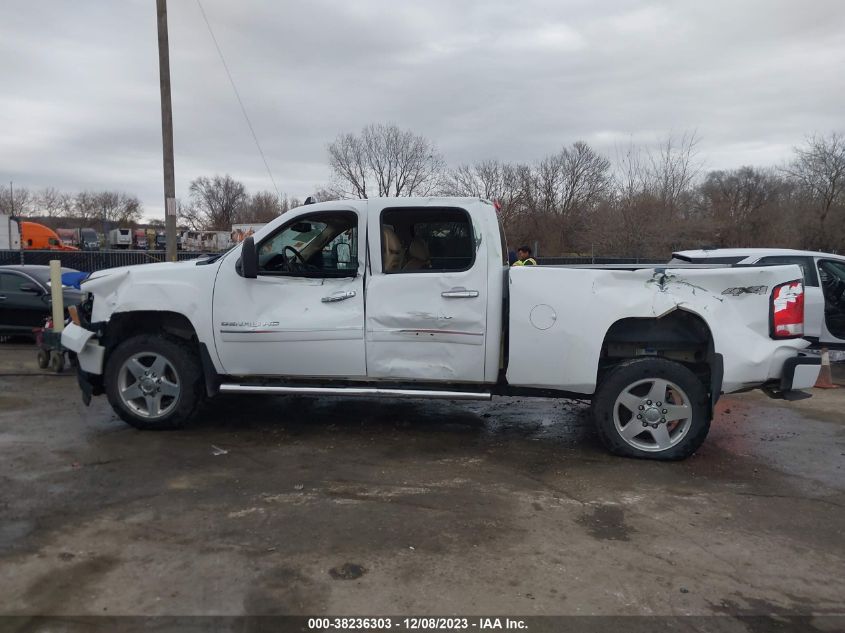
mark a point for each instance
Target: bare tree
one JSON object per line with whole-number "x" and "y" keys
{"x": 216, "y": 202}
{"x": 672, "y": 168}
{"x": 819, "y": 170}
{"x": 740, "y": 206}
{"x": 263, "y": 206}
{"x": 350, "y": 166}
{"x": 18, "y": 201}
{"x": 385, "y": 160}
{"x": 492, "y": 180}
{"x": 561, "y": 191}
{"x": 53, "y": 203}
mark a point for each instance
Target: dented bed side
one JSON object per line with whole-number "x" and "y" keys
{"x": 559, "y": 318}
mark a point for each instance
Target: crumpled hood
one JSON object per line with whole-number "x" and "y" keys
{"x": 163, "y": 269}
{"x": 164, "y": 286}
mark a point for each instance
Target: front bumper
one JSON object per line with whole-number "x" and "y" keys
{"x": 88, "y": 350}
{"x": 800, "y": 372}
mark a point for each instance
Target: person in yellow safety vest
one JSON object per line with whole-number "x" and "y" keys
{"x": 523, "y": 257}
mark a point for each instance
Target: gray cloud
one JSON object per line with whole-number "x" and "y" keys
{"x": 79, "y": 104}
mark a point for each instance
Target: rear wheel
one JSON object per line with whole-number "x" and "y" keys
{"x": 652, "y": 408}
{"x": 154, "y": 382}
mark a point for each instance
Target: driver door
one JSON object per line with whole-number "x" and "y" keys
{"x": 304, "y": 313}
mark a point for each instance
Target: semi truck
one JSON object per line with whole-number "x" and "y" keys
{"x": 69, "y": 237}
{"x": 419, "y": 302}
{"x": 139, "y": 239}
{"x": 36, "y": 236}
{"x": 89, "y": 239}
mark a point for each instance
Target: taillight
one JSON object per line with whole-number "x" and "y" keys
{"x": 787, "y": 310}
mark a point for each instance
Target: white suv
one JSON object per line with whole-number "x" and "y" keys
{"x": 824, "y": 282}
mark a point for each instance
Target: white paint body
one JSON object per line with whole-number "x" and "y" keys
{"x": 401, "y": 328}
{"x": 815, "y": 326}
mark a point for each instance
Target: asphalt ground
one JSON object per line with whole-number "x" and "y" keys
{"x": 294, "y": 505}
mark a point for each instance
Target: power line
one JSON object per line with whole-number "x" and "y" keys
{"x": 238, "y": 97}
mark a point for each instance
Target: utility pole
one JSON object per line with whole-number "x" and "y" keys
{"x": 166, "y": 131}
{"x": 12, "y": 195}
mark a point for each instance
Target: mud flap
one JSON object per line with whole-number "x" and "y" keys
{"x": 85, "y": 386}
{"x": 210, "y": 375}
{"x": 717, "y": 371}
{"x": 89, "y": 385}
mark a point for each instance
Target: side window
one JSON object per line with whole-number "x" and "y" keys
{"x": 806, "y": 264}
{"x": 832, "y": 272}
{"x": 429, "y": 239}
{"x": 10, "y": 282}
{"x": 316, "y": 245}
{"x": 6, "y": 281}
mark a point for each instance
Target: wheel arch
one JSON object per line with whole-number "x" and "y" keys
{"x": 681, "y": 335}
{"x": 122, "y": 325}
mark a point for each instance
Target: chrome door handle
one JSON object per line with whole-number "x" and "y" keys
{"x": 459, "y": 293}
{"x": 2, "y": 297}
{"x": 338, "y": 296}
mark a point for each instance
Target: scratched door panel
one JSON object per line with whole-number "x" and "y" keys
{"x": 415, "y": 333}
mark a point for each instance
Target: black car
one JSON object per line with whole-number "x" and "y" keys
{"x": 25, "y": 297}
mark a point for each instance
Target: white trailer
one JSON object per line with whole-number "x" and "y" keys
{"x": 120, "y": 238}
{"x": 10, "y": 234}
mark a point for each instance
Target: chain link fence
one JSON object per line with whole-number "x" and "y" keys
{"x": 570, "y": 261}
{"x": 89, "y": 261}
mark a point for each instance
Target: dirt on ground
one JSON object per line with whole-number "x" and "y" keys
{"x": 294, "y": 505}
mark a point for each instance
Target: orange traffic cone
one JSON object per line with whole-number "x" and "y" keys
{"x": 825, "y": 380}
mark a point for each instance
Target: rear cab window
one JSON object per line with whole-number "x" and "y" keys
{"x": 426, "y": 239}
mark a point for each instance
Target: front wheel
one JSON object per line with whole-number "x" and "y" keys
{"x": 652, "y": 408}
{"x": 154, "y": 382}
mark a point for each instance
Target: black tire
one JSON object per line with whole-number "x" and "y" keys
{"x": 42, "y": 357}
{"x": 57, "y": 362}
{"x": 628, "y": 373}
{"x": 184, "y": 361}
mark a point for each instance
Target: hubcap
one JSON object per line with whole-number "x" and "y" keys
{"x": 148, "y": 385}
{"x": 652, "y": 414}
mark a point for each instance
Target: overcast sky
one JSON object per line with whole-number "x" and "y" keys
{"x": 515, "y": 80}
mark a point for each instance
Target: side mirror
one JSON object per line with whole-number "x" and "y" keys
{"x": 31, "y": 289}
{"x": 249, "y": 259}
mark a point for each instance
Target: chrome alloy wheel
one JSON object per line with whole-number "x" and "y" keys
{"x": 148, "y": 385}
{"x": 652, "y": 414}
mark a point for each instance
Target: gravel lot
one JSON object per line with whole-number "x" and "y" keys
{"x": 311, "y": 506}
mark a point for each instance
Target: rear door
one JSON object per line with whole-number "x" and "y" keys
{"x": 426, "y": 295}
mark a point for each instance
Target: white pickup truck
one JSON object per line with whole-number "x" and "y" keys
{"x": 413, "y": 298}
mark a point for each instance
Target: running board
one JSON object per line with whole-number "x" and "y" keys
{"x": 372, "y": 392}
